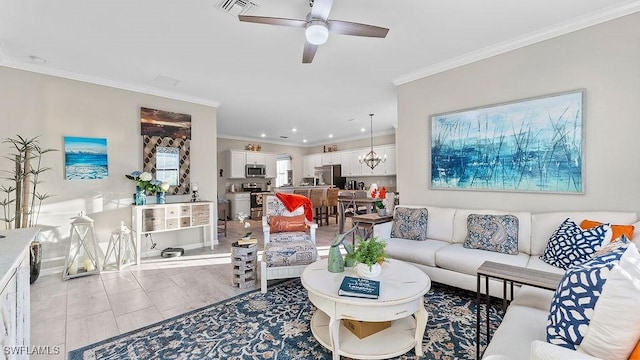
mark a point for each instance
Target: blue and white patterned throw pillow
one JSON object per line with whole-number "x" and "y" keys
{"x": 410, "y": 224}
{"x": 575, "y": 299}
{"x": 497, "y": 233}
{"x": 570, "y": 244}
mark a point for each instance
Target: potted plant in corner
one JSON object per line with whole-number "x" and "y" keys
{"x": 21, "y": 204}
{"x": 369, "y": 255}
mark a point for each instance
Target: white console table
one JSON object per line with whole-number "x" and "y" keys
{"x": 15, "y": 292}
{"x": 155, "y": 218}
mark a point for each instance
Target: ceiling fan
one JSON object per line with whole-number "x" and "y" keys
{"x": 318, "y": 26}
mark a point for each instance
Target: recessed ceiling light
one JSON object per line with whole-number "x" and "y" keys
{"x": 294, "y": 129}
{"x": 263, "y": 135}
{"x": 37, "y": 59}
{"x": 330, "y": 135}
{"x": 363, "y": 129}
{"x": 305, "y": 140}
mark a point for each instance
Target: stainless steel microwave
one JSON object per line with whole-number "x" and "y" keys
{"x": 253, "y": 170}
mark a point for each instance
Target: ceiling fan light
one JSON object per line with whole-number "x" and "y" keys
{"x": 317, "y": 32}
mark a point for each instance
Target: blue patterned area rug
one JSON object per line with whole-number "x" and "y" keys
{"x": 276, "y": 326}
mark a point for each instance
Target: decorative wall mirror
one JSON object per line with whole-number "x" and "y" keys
{"x": 167, "y": 159}
{"x": 168, "y": 165}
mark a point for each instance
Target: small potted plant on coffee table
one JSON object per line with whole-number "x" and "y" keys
{"x": 369, "y": 255}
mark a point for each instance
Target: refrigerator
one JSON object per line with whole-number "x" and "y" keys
{"x": 332, "y": 175}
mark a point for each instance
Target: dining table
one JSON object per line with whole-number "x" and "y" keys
{"x": 349, "y": 201}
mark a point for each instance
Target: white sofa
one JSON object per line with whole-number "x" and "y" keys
{"x": 446, "y": 261}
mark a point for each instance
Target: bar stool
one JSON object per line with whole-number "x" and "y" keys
{"x": 304, "y": 193}
{"x": 318, "y": 199}
{"x": 332, "y": 202}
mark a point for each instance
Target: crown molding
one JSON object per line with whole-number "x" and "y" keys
{"x": 566, "y": 27}
{"x": 45, "y": 70}
{"x": 303, "y": 145}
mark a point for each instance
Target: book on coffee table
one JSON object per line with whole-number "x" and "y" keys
{"x": 247, "y": 242}
{"x": 357, "y": 287}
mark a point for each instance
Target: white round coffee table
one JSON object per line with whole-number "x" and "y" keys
{"x": 402, "y": 289}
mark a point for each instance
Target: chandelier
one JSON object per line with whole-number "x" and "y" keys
{"x": 371, "y": 159}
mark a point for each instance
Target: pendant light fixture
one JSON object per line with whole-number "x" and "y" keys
{"x": 371, "y": 159}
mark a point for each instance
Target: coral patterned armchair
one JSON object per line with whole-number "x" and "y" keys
{"x": 289, "y": 241}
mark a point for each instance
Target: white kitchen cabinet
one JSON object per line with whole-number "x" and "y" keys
{"x": 256, "y": 158}
{"x": 235, "y": 161}
{"x": 332, "y": 158}
{"x": 310, "y": 162}
{"x": 271, "y": 164}
{"x": 350, "y": 164}
{"x": 388, "y": 167}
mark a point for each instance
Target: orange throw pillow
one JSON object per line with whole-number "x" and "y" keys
{"x": 635, "y": 355}
{"x": 287, "y": 224}
{"x": 618, "y": 230}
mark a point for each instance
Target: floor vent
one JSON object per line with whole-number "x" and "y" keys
{"x": 238, "y": 7}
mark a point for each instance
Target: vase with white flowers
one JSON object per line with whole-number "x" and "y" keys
{"x": 241, "y": 218}
{"x": 143, "y": 184}
{"x": 160, "y": 188}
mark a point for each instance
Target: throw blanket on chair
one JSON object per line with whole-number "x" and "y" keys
{"x": 293, "y": 201}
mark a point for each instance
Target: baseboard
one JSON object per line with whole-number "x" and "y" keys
{"x": 147, "y": 254}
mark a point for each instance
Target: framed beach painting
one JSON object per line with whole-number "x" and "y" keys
{"x": 162, "y": 123}
{"x": 85, "y": 158}
{"x": 529, "y": 145}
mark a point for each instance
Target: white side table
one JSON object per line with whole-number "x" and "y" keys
{"x": 402, "y": 289}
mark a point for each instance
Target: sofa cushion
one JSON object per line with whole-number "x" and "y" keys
{"x": 536, "y": 264}
{"x": 544, "y": 224}
{"x": 533, "y": 297}
{"x": 497, "y": 233}
{"x": 290, "y": 236}
{"x": 524, "y": 226}
{"x": 513, "y": 339}
{"x": 613, "y": 330}
{"x": 571, "y": 245}
{"x": 541, "y": 350}
{"x": 296, "y": 252}
{"x": 419, "y": 252}
{"x": 440, "y": 221}
{"x": 575, "y": 299}
{"x": 467, "y": 261}
{"x": 410, "y": 224}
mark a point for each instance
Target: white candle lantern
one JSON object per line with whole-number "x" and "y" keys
{"x": 121, "y": 250}
{"x": 82, "y": 257}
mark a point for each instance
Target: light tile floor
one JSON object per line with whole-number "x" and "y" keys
{"x": 66, "y": 315}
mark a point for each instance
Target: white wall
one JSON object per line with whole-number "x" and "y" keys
{"x": 38, "y": 105}
{"x": 603, "y": 59}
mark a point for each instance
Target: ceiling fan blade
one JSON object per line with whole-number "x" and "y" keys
{"x": 309, "y": 52}
{"x": 273, "y": 21}
{"x": 321, "y": 9}
{"x": 350, "y": 28}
